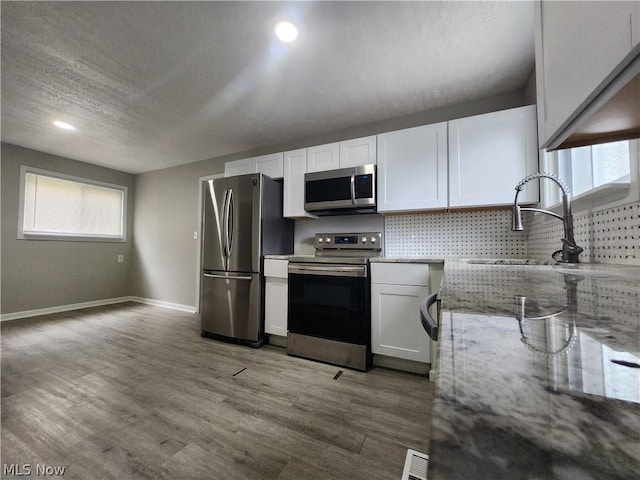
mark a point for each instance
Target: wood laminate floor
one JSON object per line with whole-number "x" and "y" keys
{"x": 133, "y": 391}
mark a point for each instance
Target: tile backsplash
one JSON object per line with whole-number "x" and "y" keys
{"x": 608, "y": 236}
{"x": 483, "y": 233}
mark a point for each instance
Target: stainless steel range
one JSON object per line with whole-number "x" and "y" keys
{"x": 329, "y": 300}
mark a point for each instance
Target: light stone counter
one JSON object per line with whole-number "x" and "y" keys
{"x": 277, "y": 257}
{"x": 406, "y": 260}
{"x": 537, "y": 373}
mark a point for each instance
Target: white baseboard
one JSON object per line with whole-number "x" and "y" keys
{"x": 96, "y": 303}
{"x": 62, "y": 308}
{"x": 160, "y": 303}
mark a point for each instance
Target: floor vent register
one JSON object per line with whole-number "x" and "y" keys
{"x": 415, "y": 466}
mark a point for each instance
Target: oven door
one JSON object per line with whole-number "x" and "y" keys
{"x": 330, "y": 301}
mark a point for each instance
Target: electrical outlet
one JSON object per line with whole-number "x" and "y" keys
{"x": 120, "y": 258}
{"x": 195, "y": 235}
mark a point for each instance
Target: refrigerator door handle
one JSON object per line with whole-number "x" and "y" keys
{"x": 225, "y": 247}
{"x": 228, "y": 277}
{"x": 229, "y": 223}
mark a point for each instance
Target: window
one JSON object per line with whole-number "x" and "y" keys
{"x": 589, "y": 168}
{"x": 56, "y": 206}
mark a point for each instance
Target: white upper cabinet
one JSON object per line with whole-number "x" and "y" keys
{"x": 345, "y": 154}
{"x": 489, "y": 154}
{"x": 238, "y": 167}
{"x": 357, "y": 152}
{"x": 412, "y": 169}
{"x": 295, "y": 166}
{"x": 469, "y": 162}
{"x": 271, "y": 165}
{"x": 323, "y": 157}
{"x": 578, "y": 44}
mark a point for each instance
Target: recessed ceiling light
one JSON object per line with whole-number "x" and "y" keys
{"x": 64, "y": 125}
{"x": 286, "y": 31}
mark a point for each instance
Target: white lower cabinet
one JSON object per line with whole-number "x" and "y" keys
{"x": 276, "y": 296}
{"x": 397, "y": 291}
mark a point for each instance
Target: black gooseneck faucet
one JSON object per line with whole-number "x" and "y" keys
{"x": 570, "y": 250}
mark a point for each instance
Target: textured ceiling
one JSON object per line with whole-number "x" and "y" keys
{"x": 150, "y": 85}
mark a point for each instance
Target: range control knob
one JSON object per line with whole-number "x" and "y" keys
{"x": 373, "y": 239}
{"x": 364, "y": 239}
{"x": 328, "y": 240}
{"x": 320, "y": 240}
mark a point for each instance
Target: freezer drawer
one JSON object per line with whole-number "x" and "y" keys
{"x": 231, "y": 306}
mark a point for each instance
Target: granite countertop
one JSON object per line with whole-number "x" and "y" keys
{"x": 537, "y": 373}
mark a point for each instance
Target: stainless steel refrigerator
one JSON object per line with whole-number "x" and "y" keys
{"x": 242, "y": 222}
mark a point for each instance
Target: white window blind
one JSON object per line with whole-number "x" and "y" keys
{"x": 70, "y": 207}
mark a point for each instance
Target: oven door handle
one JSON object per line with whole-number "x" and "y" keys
{"x": 428, "y": 322}
{"x": 331, "y": 271}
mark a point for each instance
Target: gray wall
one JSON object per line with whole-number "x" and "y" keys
{"x": 165, "y": 258}
{"x": 166, "y": 215}
{"x": 39, "y": 273}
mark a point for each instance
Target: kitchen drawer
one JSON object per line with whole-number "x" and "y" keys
{"x": 400, "y": 274}
{"x": 275, "y": 268}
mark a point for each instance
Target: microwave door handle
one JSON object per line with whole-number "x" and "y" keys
{"x": 353, "y": 189}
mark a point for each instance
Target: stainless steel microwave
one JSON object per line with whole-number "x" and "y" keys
{"x": 341, "y": 192}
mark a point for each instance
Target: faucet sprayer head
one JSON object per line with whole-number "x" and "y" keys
{"x": 516, "y": 219}
{"x": 563, "y": 186}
